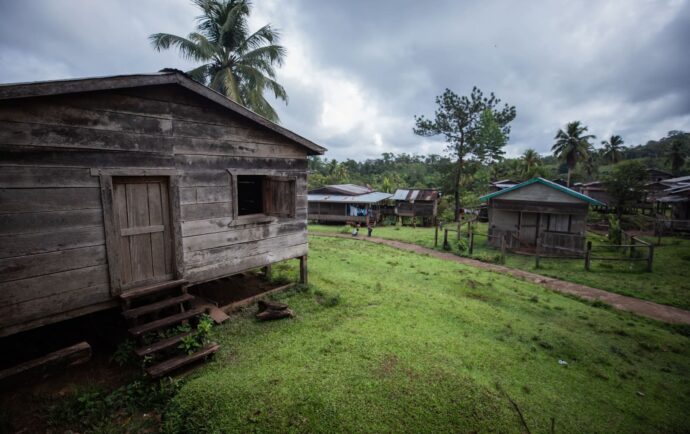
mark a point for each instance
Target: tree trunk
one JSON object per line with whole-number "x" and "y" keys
{"x": 456, "y": 195}
{"x": 568, "y": 182}
{"x": 457, "y": 190}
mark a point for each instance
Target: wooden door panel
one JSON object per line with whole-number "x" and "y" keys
{"x": 143, "y": 227}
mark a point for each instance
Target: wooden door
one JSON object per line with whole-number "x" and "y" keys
{"x": 141, "y": 211}
{"x": 528, "y": 228}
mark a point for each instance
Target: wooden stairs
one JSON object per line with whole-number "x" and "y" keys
{"x": 153, "y": 314}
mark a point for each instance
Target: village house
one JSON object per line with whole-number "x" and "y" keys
{"x": 677, "y": 196}
{"x": 346, "y": 203}
{"x": 121, "y": 187}
{"x": 538, "y": 212}
{"x": 420, "y": 204}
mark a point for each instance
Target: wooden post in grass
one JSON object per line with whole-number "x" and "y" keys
{"x": 267, "y": 272}
{"x": 588, "y": 255}
{"x": 446, "y": 246}
{"x": 303, "y": 275}
{"x": 536, "y": 257}
{"x": 471, "y": 235}
{"x": 436, "y": 237}
{"x": 632, "y": 247}
{"x": 650, "y": 257}
{"x": 503, "y": 248}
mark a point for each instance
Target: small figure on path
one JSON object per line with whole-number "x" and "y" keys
{"x": 355, "y": 230}
{"x": 370, "y": 229}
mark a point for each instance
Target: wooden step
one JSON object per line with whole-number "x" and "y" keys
{"x": 177, "y": 362}
{"x": 161, "y": 345}
{"x": 151, "y": 289}
{"x": 166, "y": 322}
{"x": 155, "y": 307}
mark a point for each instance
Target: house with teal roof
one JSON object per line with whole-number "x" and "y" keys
{"x": 539, "y": 214}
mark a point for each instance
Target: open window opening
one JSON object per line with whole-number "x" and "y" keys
{"x": 265, "y": 195}
{"x": 250, "y": 195}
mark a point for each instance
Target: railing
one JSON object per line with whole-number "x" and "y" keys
{"x": 632, "y": 249}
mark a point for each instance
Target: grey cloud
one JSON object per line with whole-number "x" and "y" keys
{"x": 620, "y": 67}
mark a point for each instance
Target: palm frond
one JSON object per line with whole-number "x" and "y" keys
{"x": 188, "y": 49}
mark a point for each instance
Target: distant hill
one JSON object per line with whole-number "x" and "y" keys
{"x": 658, "y": 149}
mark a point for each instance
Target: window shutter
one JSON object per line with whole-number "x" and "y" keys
{"x": 279, "y": 196}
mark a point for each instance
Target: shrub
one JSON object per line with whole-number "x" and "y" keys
{"x": 614, "y": 229}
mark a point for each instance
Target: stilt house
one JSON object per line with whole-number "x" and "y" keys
{"x": 420, "y": 204}
{"x": 113, "y": 186}
{"x": 345, "y": 203}
{"x": 539, "y": 212}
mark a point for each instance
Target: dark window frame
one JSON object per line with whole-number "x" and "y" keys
{"x": 262, "y": 217}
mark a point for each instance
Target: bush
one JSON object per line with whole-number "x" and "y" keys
{"x": 614, "y": 230}
{"x": 463, "y": 244}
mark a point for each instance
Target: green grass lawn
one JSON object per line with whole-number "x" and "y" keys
{"x": 669, "y": 283}
{"x": 391, "y": 341}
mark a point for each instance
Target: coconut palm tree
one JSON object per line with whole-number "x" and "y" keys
{"x": 235, "y": 62}
{"x": 613, "y": 148}
{"x": 572, "y": 145}
{"x": 676, "y": 156}
{"x": 530, "y": 160}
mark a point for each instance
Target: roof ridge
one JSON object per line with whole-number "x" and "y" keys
{"x": 546, "y": 182}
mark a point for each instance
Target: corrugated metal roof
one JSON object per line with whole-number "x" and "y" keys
{"x": 372, "y": 197}
{"x": 348, "y": 189}
{"x": 421, "y": 194}
{"x": 676, "y": 180}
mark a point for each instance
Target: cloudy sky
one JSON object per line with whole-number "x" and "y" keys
{"x": 358, "y": 71}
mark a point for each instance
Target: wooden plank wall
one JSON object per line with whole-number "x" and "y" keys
{"x": 53, "y": 262}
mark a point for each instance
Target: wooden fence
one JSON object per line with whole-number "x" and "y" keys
{"x": 553, "y": 245}
{"x": 632, "y": 249}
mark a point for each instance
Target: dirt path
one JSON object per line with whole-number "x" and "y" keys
{"x": 649, "y": 309}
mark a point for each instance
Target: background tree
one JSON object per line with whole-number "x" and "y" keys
{"x": 236, "y": 63}
{"x": 613, "y": 149}
{"x": 459, "y": 120}
{"x": 625, "y": 184}
{"x": 676, "y": 155}
{"x": 572, "y": 145}
{"x": 530, "y": 161}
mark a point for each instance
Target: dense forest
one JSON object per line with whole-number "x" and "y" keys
{"x": 393, "y": 171}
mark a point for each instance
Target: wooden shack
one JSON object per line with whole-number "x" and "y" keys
{"x": 114, "y": 184}
{"x": 596, "y": 190}
{"x": 538, "y": 212}
{"x": 346, "y": 203}
{"x": 421, "y": 204}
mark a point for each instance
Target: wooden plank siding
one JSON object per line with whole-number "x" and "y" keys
{"x": 53, "y": 255}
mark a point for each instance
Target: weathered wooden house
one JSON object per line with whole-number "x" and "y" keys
{"x": 116, "y": 187}
{"x": 419, "y": 203}
{"x": 538, "y": 212}
{"x": 345, "y": 203}
{"x": 676, "y": 195}
{"x": 501, "y": 185}
{"x": 596, "y": 190}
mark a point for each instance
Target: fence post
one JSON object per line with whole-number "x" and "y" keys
{"x": 650, "y": 258}
{"x": 471, "y": 234}
{"x": 436, "y": 236}
{"x": 588, "y": 255}
{"x": 503, "y": 248}
{"x": 446, "y": 246}
{"x": 632, "y": 246}
{"x": 536, "y": 257}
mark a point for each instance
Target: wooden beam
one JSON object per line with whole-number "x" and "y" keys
{"x": 47, "y": 365}
{"x": 303, "y": 274}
